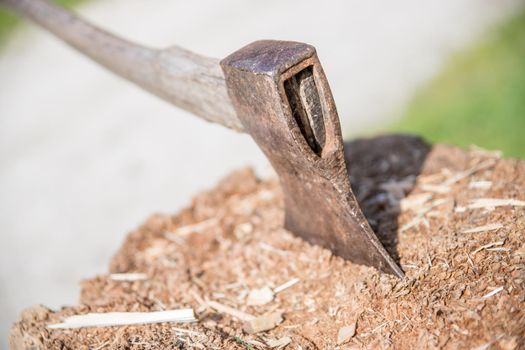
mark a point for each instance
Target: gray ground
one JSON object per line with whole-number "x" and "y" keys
{"x": 85, "y": 157}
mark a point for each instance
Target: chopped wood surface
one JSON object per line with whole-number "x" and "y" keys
{"x": 464, "y": 264}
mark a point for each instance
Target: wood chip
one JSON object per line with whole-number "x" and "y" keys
{"x": 263, "y": 323}
{"x": 128, "y": 277}
{"x": 272, "y": 249}
{"x": 241, "y": 315}
{"x": 460, "y": 209}
{"x": 125, "y": 318}
{"x": 410, "y": 224}
{"x": 499, "y": 249}
{"x": 346, "y": 333}
{"x": 442, "y": 189}
{"x": 186, "y": 331}
{"x": 520, "y": 251}
{"x": 278, "y": 343}
{"x": 494, "y": 202}
{"x": 461, "y": 175}
{"x": 484, "y": 346}
{"x": 286, "y": 285}
{"x": 494, "y": 292}
{"x": 435, "y": 203}
{"x": 199, "y": 300}
{"x": 480, "y": 185}
{"x": 194, "y": 228}
{"x": 415, "y": 201}
{"x": 256, "y": 343}
{"x": 484, "y": 228}
{"x": 509, "y": 343}
{"x": 422, "y": 212}
{"x": 260, "y": 296}
{"x": 242, "y": 230}
{"x": 432, "y": 178}
{"x": 490, "y": 245}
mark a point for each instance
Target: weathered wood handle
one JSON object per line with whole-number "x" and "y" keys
{"x": 187, "y": 80}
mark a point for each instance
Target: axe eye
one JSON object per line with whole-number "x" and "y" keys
{"x": 306, "y": 108}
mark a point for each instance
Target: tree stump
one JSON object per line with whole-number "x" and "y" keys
{"x": 453, "y": 219}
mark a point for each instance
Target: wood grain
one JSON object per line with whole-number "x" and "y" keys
{"x": 189, "y": 81}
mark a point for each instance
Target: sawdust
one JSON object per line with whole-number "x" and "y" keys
{"x": 229, "y": 242}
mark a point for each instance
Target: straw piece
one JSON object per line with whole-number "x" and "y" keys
{"x": 461, "y": 175}
{"x": 128, "y": 277}
{"x": 241, "y": 315}
{"x": 286, "y": 285}
{"x": 494, "y": 202}
{"x": 480, "y": 185}
{"x": 494, "y": 292}
{"x": 442, "y": 189}
{"x": 193, "y": 228}
{"x": 484, "y": 228}
{"x": 125, "y": 318}
{"x": 486, "y": 246}
{"x": 415, "y": 201}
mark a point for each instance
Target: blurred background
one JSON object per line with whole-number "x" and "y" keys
{"x": 85, "y": 156}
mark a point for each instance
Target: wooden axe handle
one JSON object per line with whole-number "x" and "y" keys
{"x": 187, "y": 80}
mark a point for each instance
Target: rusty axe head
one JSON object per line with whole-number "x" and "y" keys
{"x": 283, "y": 100}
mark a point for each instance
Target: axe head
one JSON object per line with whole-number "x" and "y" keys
{"x": 282, "y": 97}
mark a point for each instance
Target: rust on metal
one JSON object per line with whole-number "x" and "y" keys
{"x": 283, "y": 100}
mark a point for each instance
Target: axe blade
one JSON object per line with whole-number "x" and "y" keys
{"x": 283, "y": 100}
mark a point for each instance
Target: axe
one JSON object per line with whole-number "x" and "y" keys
{"x": 276, "y": 91}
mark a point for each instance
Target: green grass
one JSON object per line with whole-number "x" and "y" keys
{"x": 479, "y": 98}
{"x": 243, "y": 343}
{"x": 9, "y": 21}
